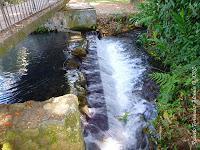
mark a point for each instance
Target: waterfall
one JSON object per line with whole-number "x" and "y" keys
{"x": 121, "y": 67}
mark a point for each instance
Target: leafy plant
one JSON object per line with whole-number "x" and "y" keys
{"x": 42, "y": 29}
{"x": 124, "y": 117}
{"x": 173, "y": 37}
{"x": 167, "y": 85}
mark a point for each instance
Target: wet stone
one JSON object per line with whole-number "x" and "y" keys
{"x": 72, "y": 63}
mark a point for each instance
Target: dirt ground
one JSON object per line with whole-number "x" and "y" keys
{"x": 110, "y": 7}
{"x": 106, "y": 8}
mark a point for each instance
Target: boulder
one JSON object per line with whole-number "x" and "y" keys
{"x": 53, "y": 124}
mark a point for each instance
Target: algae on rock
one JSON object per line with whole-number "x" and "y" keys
{"x": 53, "y": 124}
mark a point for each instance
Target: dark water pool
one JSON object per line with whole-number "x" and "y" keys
{"x": 33, "y": 70}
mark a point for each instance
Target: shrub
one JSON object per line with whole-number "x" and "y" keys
{"x": 174, "y": 38}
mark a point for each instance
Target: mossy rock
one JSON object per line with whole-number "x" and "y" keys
{"x": 53, "y": 124}
{"x": 79, "y": 52}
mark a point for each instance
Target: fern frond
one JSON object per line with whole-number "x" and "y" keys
{"x": 160, "y": 78}
{"x": 167, "y": 85}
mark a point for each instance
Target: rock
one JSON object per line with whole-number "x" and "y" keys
{"x": 86, "y": 111}
{"x": 75, "y": 51}
{"x": 72, "y": 63}
{"x": 77, "y": 46}
{"x": 79, "y": 52}
{"x": 81, "y": 79}
{"x": 77, "y": 85}
{"x": 52, "y": 124}
{"x": 82, "y": 96}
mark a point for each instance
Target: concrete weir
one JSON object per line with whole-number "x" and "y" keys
{"x": 75, "y": 16}
{"x": 62, "y": 17}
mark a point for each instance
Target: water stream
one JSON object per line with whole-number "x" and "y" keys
{"x": 114, "y": 67}
{"x": 119, "y": 110}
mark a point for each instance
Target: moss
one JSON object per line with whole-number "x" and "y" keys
{"x": 31, "y": 132}
{"x": 73, "y": 128}
{"x": 55, "y": 134}
{"x": 29, "y": 145}
{"x": 47, "y": 137}
{"x": 51, "y": 132}
{"x": 7, "y": 146}
{"x": 10, "y": 135}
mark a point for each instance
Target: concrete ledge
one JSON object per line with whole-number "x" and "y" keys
{"x": 8, "y": 39}
{"x": 75, "y": 16}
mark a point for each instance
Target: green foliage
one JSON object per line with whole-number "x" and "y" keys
{"x": 173, "y": 37}
{"x": 42, "y": 29}
{"x": 124, "y": 117}
{"x": 167, "y": 85}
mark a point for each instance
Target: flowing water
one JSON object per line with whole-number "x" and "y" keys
{"x": 114, "y": 67}
{"x": 33, "y": 69}
{"x": 119, "y": 110}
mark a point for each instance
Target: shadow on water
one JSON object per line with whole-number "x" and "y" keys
{"x": 33, "y": 69}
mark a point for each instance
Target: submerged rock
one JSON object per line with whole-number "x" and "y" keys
{"x": 52, "y": 124}
{"x": 77, "y": 49}
{"x": 72, "y": 63}
{"x": 79, "y": 52}
{"x": 77, "y": 85}
{"x": 77, "y": 45}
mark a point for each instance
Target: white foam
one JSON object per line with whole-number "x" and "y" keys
{"x": 124, "y": 74}
{"x": 111, "y": 144}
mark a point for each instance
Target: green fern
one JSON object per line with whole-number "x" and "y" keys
{"x": 173, "y": 37}
{"x": 167, "y": 85}
{"x": 160, "y": 78}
